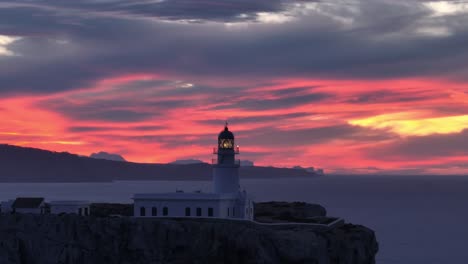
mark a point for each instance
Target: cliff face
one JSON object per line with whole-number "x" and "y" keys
{"x": 34, "y": 239}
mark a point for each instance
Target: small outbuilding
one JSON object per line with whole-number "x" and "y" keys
{"x": 70, "y": 207}
{"x": 29, "y": 205}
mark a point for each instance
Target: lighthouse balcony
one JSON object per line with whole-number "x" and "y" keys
{"x": 216, "y": 150}
{"x": 220, "y": 162}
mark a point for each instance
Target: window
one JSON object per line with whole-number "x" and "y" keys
{"x": 187, "y": 211}
{"x": 165, "y": 211}
{"x": 86, "y": 211}
{"x": 198, "y": 211}
{"x": 228, "y": 211}
{"x": 210, "y": 211}
{"x": 142, "y": 211}
{"x": 80, "y": 211}
{"x": 154, "y": 211}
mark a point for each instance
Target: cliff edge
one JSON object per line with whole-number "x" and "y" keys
{"x": 46, "y": 239}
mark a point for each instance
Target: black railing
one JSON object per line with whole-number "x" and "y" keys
{"x": 215, "y": 162}
{"x": 216, "y": 150}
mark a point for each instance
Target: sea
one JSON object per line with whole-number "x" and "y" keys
{"x": 417, "y": 219}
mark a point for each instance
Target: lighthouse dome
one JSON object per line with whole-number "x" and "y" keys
{"x": 226, "y": 134}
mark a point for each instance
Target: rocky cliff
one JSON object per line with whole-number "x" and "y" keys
{"x": 35, "y": 239}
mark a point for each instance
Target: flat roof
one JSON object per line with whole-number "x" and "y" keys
{"x": 71, "y": 202}
{"x": 185, "y": 196}
{"x": 28, "y": 202}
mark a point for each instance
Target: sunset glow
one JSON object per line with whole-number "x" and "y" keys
{"x": 309, "y": 84}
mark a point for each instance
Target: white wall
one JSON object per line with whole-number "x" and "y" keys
{"x": 176, "y": 208}
{"x": 226, "y": 179}
{"x": 236, "y": 209}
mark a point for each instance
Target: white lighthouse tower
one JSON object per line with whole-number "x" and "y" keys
{"x": 226, "y": 166}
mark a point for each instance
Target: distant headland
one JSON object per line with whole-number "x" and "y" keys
{"x": 24, "y": 164}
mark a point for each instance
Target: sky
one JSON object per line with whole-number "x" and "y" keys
{"x": 351, "y": 86}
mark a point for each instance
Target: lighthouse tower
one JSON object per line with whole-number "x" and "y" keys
{"x": 226, "y": 166}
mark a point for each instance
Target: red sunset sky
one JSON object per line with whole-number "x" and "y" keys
{"x": 348, "y": 86}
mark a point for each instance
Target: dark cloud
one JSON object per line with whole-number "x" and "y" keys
{"x": 282, "y": 102}
{"x": 112, "y": 115}
{"x": 121, "y": 107}
{"x": 148, "y": 128}
{"x": 272, "y": 137}
{"x": 425, "y": 147}
{"x": 158, "y": 97}
{"x": 192, "y": 10}
{"x": 100, "y": 110}
{"x": 287, "y": 91}
{"x": 88, "y": 129}
{"x": 72, "y": 45}
{"x": 255, "y": 119}
{"x": 387, "y": 97}
{"x": 167, "y": 141}
{"x": 113, "y": 128}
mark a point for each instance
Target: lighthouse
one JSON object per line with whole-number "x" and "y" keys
{"x": 226, "y": 166}
{"x": 226, "y": 201}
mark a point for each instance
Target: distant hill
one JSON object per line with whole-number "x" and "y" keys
{"x": 186, "y": 161}
{"x": 243, "y": 163}
{"x": 107, "y": 156}
{"x": 246, "y": 163}
{"x": 20, "y": 164}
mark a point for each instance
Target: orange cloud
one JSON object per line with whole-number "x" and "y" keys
{"x": 415, "y": 123}
{"x": 181, "y": 121}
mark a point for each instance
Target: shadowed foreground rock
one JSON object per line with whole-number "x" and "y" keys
{"x": 47, "y": 239}
{"x": 287, "y": 211}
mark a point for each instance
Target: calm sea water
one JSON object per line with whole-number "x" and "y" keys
{"x": 417, "y": 219}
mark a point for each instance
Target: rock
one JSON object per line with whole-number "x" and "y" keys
{"x": 110, "y": 209}
{"x": 45, "y": 239}
{"x": 285, "y": 211}
{"x": 346, "y": 244}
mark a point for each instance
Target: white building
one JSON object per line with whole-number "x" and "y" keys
{"x": 70, "y": 207}
{"x": 226, "y": 200}
{"x": 29, "y": 205}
